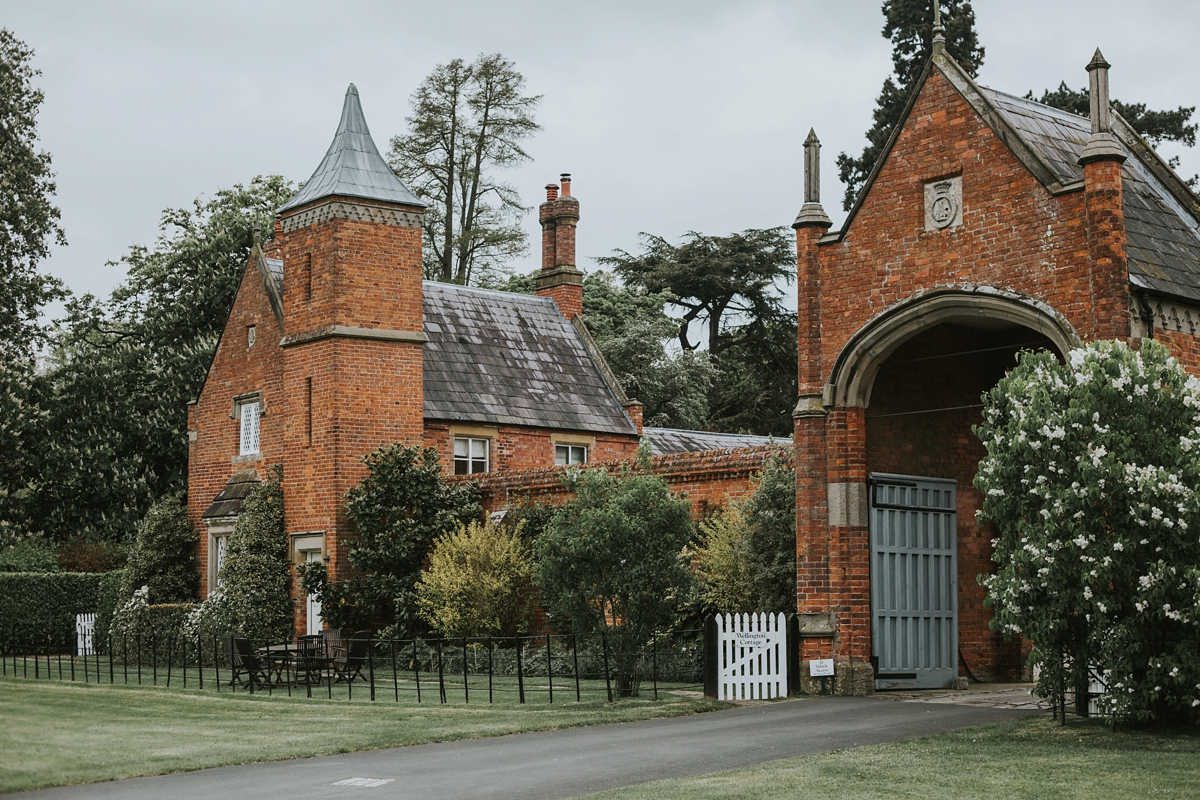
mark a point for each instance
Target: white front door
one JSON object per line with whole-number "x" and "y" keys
{"x": 314, "y": 605}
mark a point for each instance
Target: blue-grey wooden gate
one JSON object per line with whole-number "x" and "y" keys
{"x": 914, "y": 581}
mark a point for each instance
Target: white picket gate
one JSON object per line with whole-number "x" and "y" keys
{"x": 751, "y": 656}
{"x": 85, "y": 628}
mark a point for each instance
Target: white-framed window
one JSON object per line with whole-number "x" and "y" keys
{"x": 219, "y": 556}
{"x": 471, "y": 455}
{"x": 565, "y": 454}
{"x": 218, "y": 538}
{"x": 250, "y": 413}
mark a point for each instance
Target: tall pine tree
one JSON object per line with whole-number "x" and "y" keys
{"x": 909, "y": 26}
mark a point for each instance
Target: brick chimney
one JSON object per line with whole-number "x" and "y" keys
{"x": 1103, "y": 200}
{"x": 559, "y": 278}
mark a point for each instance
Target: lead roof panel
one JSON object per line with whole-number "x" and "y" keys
{"x": 353, "y": 166}
{"x": 511, "y": 359}
{"x": 1163, "y": 239}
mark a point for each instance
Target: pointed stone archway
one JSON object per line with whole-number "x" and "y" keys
{"x": 901, "y": 399}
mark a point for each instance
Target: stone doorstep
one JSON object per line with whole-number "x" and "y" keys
{"x": 988, "y": 695}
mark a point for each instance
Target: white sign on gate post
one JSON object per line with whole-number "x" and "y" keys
{"x": 752, "y": 656}
{"x": 820, "y": 667}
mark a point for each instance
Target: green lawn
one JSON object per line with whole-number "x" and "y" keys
{"x": 57, "y": 732}
{"x": 1025, "y": 758}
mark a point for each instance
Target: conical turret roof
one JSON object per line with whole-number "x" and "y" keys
{"x": 352, "y": 166}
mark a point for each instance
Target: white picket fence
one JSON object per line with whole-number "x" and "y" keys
{"x": 752, "y": 656}
{"x": 85, "y": 628}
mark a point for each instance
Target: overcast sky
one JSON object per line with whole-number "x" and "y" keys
{"x": 672, "y": 116}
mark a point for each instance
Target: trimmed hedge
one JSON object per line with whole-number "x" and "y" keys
{"x": 28, "y": 557}
{"x": 158, "y": 630}
{"x": 108, "y": 602}
{"x": 37, "y": 609}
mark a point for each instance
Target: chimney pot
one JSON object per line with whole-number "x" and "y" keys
{"x": 566, "y": 184}
{"x": 551, "y": 192}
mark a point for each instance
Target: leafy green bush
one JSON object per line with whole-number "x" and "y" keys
{"x": 254, "y": 598}
{"x": 37, "y": 609}
{"x": 722, "y": 565}
{"x": 478, "y": 582}
{"x": 398, "y": 510}
{"x": 770, "y": 514}
{"x": 612, "y": 559}
{"x": 163, "y": 556}
{"x": 150, "y": 633}
{"x": 746, "y": 558}
{"x": 29, "y": 556}
{"x": 1091, "y": 480}
{"x": 107, "y": 602}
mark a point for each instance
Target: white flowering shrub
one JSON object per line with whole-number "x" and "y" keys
{"x": 1091, "y": 480}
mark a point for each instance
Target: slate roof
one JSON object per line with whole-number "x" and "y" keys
{"x": 671, "y": 440}
{"x": 275, "y": 266}
{"x": 511, "y": 359}
{"x": 228, "y": 502}
{"x": 1163, "y": 239}
{"x": 352, "y": 166}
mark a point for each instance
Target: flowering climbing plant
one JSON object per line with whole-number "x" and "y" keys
{"x": 1092, "y": 484}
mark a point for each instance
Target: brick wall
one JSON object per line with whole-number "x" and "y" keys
{"x": 1014, "y": 234}
{"x": 710, "y": 479}
{"x": 237, "y": 368}
{"x": 1184, "y": 346}
{"x": 347, "y": 396}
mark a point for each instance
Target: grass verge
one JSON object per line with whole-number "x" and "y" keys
{"x": 1024, "y": 758}
{"x": 58, "y": 733}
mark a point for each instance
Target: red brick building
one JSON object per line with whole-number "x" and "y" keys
{"x": 335, "y": 347}
{"x": 991, "y": 224}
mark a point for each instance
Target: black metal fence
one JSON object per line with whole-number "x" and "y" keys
{"x": 515, "y": 669}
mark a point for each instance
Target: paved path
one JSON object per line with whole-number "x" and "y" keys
{"x": 991, "y": 695}
{"x": 566, "y": 763}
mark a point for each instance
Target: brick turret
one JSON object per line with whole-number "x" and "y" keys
{"x": 559, "y": 278}
{"x": 350, "y": 243}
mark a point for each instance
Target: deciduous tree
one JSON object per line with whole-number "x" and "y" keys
{"x": 1090, "y": 482}
{"x": 28, "y": 226}
{"x": 114, "y": 434}
{"x": 467, "y": 121}
{"x": 612, "y": 559}
{"x": 28, "y": 217}
{"x": 478, "y": 582}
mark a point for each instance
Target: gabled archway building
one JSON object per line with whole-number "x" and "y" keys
{"x": 991, "y": 224}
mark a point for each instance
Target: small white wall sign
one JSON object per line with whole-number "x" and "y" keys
{"x": 820, "y": 667}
